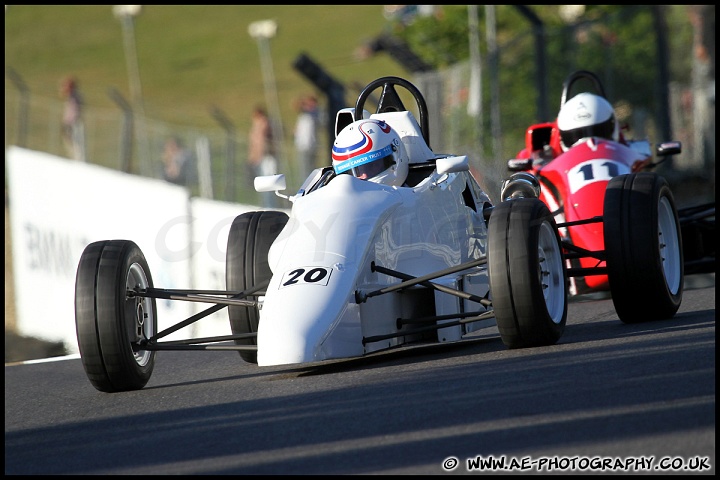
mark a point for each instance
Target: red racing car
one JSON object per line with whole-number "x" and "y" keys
{"x": 568, "y": 164}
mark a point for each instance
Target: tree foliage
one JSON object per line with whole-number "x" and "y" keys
{"x": 617, "y": 42}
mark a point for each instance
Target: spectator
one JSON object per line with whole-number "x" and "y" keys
{"x": 177, "y": 162}
{"x": 306, "y": 135}
{"x": 73, "y": 131}
{"x": 261, "y": 156}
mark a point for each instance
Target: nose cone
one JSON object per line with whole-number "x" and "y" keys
{"x": 280, "y": 345}
{"x": 305, "y": 323}
{"x": 295, "y": 320}
{"x": 309, "y": 312}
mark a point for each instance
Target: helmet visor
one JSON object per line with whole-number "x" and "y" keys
{"x": 371, "y": 169}
{"x": 602, "y": 130}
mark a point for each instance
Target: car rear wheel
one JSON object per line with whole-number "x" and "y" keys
{"x": 643, "y": 245}
{"x": 528, "y": 280}
{"x": 109, "y": 322}
{"x": 246, "y": 265}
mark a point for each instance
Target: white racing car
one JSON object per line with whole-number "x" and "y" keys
{"x": 390, "y": 245}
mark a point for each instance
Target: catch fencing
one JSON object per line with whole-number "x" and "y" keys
{"x": 120, "y": 139}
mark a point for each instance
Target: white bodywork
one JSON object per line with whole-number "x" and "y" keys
{"x": 323, "y": 259}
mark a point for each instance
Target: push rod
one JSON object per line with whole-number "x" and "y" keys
{"x": 410, "y": 281}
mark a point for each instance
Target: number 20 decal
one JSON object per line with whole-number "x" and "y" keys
{"x": 306, "y": 275}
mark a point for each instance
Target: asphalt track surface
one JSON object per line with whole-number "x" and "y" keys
{"x": 605, "y": 398}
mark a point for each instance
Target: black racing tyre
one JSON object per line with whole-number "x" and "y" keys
{"x": 643, "y": 247}
{"x": 109, "y": 323}
{"x": 528, "y": 279}
{"x": 246, "y": 265}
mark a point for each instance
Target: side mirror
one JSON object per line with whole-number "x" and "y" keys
{"x": 270, "y": 183}
{"x": 520, "y": 164}
{"x": 669, "y": 148}
{"x": 452, "y": 164}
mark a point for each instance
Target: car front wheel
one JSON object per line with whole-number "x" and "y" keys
{"x": 246, "y": 265}
{"x": 643, "y": 245}
{"x": 528, "y": 281}
{"x": 109, "y": 320}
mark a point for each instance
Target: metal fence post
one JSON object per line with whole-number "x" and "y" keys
{"x": 24, "y": 101}
{"x": 229, "y": 128}
{"x": 126, "y": 135}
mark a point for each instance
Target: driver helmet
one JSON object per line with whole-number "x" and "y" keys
{"x": 586, "y": 115}
{"x": 371, "y": 150}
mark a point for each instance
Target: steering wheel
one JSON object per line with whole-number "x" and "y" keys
{"x": 580, "y": 74}
{"x": 390, "y": 101}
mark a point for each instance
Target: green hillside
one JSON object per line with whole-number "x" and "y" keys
{"x": 191, "y": 57}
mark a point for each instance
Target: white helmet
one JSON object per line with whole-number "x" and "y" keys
{"x": 371, "y": 150}
{"x": 586, "y": 115}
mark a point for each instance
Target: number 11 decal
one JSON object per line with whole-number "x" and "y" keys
{"x": 592, "y": 171}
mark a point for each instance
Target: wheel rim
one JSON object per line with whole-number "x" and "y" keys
{"x": 550, "y": 270}
{"x": 140, "y": 310}
{"x": 669, "y": 245}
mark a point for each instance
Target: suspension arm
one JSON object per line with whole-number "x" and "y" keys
{"x": 413, "y": 331}
{"x": 410, "y": 281}
{"x": 208, "y": 311}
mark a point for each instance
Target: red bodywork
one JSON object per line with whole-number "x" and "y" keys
{"x": 572, "y": 184}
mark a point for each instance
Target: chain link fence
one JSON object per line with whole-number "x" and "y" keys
{"x": 488, "y": 134}
{"x": 119, "y": 139}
